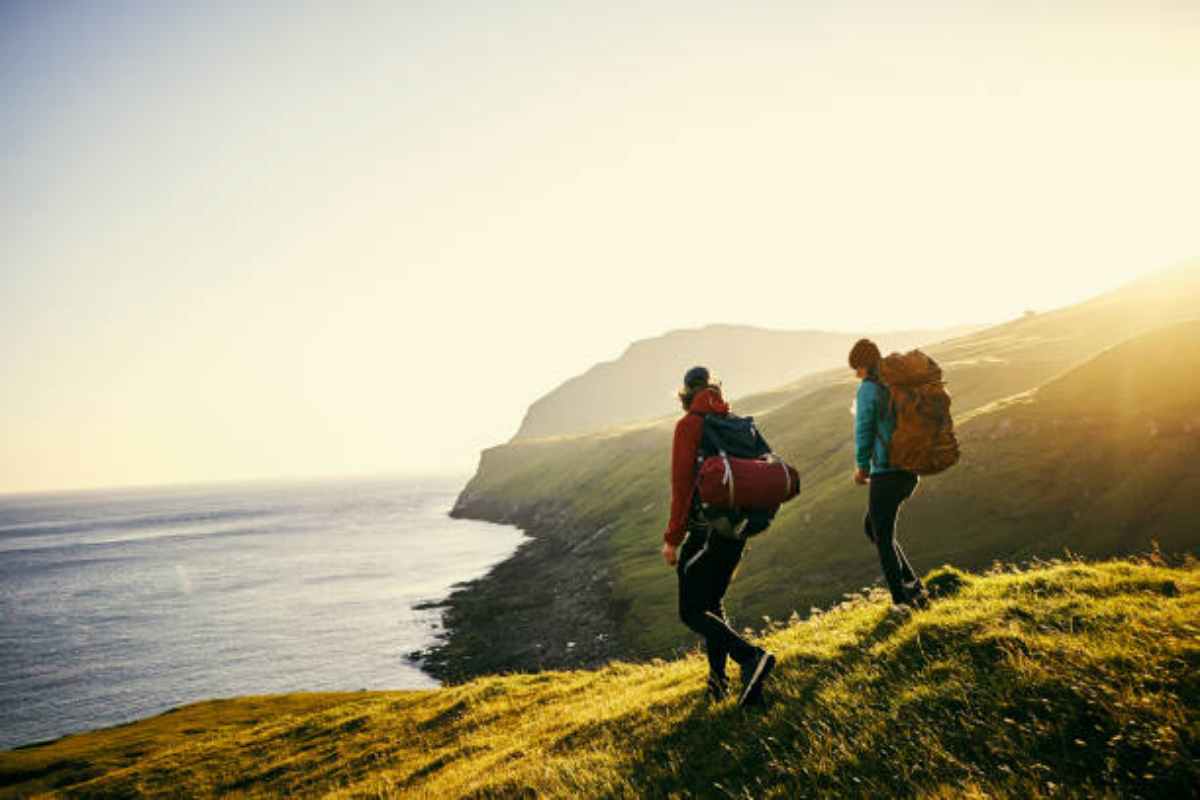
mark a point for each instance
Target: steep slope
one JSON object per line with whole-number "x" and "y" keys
{"x": 596, "y": 505}
{"x": 1102, "y": 459}
{"x": 641, "y": 383}
{"x": 1064, "y": 680}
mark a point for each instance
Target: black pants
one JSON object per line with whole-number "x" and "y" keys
{"x": 888, "y": 491}
{"x": 706, "y": 565}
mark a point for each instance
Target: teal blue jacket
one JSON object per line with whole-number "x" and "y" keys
{"x": 874, "y": 422}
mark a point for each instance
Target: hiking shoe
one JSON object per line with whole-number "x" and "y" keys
{"x": 916, "y": 595}
{"x": 754, "y": 674}
{"x": 919, "y": 601}
{"x": 718, "y": 687}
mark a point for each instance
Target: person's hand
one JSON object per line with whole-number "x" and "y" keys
{"x": 670, "y": 554}
{"x": 860, "y": 476}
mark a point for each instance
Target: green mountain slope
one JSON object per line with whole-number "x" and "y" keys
{"x": 1101, "y": 460}
{"x": 1064, "y": 680}
{"x": 597, "y": 504}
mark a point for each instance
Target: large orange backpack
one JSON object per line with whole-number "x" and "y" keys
{"x": 924, "y": 440}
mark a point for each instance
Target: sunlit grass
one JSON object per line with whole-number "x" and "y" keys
{"x": 1072, "y": 678}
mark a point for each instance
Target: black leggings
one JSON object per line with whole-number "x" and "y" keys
{"x": 888, "y": 491}
{"x": 706, "y": 565}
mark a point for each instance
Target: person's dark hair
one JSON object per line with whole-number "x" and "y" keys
{"x": 695, "y": 381}
{"x": 865, "y": 353}
{"x": 688, "y": 394}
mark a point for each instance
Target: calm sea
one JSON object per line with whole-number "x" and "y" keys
{"x": 116, "y": 605}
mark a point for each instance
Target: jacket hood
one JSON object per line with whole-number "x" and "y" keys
{"x": 708, "y": 402}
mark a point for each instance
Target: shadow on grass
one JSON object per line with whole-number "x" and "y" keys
{"x": 742, "y": 752}
{"x": 949, "y": 706}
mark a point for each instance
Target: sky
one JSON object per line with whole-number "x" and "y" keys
{"x": 288, "y": 239}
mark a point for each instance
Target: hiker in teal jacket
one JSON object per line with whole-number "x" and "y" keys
{"x": 874, "y": 424}
{"x": 873, "y": 427}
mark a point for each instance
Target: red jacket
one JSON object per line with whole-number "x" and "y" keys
{"x": 683, "y": 460}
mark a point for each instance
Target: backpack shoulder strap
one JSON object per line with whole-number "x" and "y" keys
{"x": 884, "y": 409}
{"x": 710, "y": 439}
{"x": 762, "y": 440}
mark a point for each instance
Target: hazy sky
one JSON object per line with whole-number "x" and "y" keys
{"x": 350, "y": 237}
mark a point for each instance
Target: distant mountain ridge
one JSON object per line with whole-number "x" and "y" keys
{"x": 641, "y": 383}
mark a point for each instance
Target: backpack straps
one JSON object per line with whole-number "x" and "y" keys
{"x": 887, "y": 409}
{"x": 706, "y": 435}
{"x": 709, "y": 437}
{"x": 766, "y": 445}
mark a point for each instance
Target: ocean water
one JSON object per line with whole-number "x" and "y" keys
{"x": 116, "y": 605}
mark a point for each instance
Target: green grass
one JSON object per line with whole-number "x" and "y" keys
{"x": 1037, "y": 475}
{"x": 1062, "y": 679}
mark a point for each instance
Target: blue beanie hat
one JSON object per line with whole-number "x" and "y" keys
{"x": 696, "y": 376}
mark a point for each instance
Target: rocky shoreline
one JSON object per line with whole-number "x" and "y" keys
{"x": 548, "y": 606}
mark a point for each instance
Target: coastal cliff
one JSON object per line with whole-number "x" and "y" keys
{"x": 549, "y": 604}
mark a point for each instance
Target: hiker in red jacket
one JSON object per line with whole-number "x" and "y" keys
{"x": 705, "y": 561}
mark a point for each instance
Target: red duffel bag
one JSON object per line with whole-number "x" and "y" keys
{"x": 751, "y": 483}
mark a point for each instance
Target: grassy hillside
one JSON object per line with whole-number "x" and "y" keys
{"x": 1101, "y": 460}
{"x": 1065, "y": 680}
{"x": 1036, "y": 474}
{"x": 642, "y": 382}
